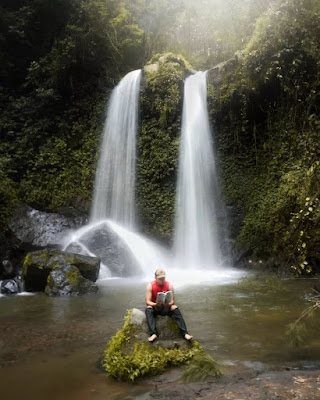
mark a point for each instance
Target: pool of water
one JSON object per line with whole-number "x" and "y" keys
{"x": 50, "y": 347}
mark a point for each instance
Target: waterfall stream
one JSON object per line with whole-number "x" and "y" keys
{"x": 196, "y": 231}
{"x": 112, "y": 235}
{"x": 114, "y": 187}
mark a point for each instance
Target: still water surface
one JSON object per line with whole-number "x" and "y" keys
{"x": 49, "y": 347}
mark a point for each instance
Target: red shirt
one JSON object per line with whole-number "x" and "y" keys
{"x": 156, "y": 289}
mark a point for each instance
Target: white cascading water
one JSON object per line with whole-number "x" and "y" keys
{"x": 196, "y": 232}
{"x": 111, "y": 234}
{"x": 114, "y": 189}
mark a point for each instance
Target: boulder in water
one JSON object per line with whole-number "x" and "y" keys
{"x": 37, "y": 266}
{"x": 9, "y": 286}
{"x": 130, "y": 355}
{"x": 67, "y": 281}
{"x": 108, "y": 246}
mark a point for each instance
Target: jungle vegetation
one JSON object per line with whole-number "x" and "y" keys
{"x": 61, "y": 59}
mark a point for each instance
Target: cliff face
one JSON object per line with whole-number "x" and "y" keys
{"x": 158, "y": 143}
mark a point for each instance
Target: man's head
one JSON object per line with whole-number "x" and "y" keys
{"x": 160, "y": 276}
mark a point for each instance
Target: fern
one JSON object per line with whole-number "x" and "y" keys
{"x": 200, "y": 368}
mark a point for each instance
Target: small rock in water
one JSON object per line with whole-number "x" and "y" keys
{"x": 9, "y": 286}
{"x": 67, "y": 281}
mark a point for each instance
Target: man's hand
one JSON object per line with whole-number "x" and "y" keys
{"x": 160, "y": 303}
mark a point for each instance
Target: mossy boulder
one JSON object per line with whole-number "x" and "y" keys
{"x": 68, "y": 281}
{"x": 129, "y": 355}
{"x": 158, "y": 143}
{"x": 37, "y": 266}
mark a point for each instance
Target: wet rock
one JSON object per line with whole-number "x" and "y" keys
{"x": 40, "y": 228}
{"x": 38, "y": 265}
{"x": 68, "y": 281}
{"x": 9, "y": 286}
{"x": 7, "y": 268}
{"x": 167, "y": 328}
{"x": 12, "y": 254}
{"x": 112, "y": 251}
{"x": 130, "y": 355}
{"x": 190, "y": 71}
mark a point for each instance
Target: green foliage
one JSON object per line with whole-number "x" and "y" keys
{"x": 60, "y": 63}
{"x": 205, "y": 32}
{"x": 158, "y": 145}
{"x": 296, "y": 334}
{"x": 297, "y": 331}
{"x": 8, "y": 196}
{"x": 200, "y": 368}
{"x": 266, "y": 113}
{"x": 26, "y": 264}
{"x": 73, "y": 277}
{"x": 125, "y": 359}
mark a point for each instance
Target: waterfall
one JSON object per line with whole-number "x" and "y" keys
{"x": 114, "y": 189}
{"x": 111, "y": 234}
{"x": 196, "y": 239}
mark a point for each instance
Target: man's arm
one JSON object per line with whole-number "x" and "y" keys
{"x": 149, "y": 301}
{"x": 172, "y": 301}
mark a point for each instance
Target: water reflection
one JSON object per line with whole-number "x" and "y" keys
{"x": 51, "y": 343}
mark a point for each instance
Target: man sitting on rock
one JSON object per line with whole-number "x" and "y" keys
{"x": 162, "y": 308}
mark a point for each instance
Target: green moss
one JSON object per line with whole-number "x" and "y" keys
{"x": 73, "y": 277}
{"x": 125, "y": 359}
{"x": 50, "y": 281}
{"x": 158, "y": 145}
{"x": 170, "y": 58}
{"x": 26, "y": 264}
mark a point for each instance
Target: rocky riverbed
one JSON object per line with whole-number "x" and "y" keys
{"x": 272, "y": 385}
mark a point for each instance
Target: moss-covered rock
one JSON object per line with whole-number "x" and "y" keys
{"x": 158, "y": 143}
{"x": 129, "y": 355}
{"x": 67, "y": 281}
{"x": 37, "y": 266}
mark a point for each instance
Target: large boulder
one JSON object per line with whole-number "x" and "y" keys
{"x": 130, "y": 355}
{"x": 37, "y": 266}
{"x": 67, "y": 281}
{"x": 113, "y": 252}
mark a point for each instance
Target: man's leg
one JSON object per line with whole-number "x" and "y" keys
{"x": 151, "y": 323}
{"x": 177, "y": 316}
